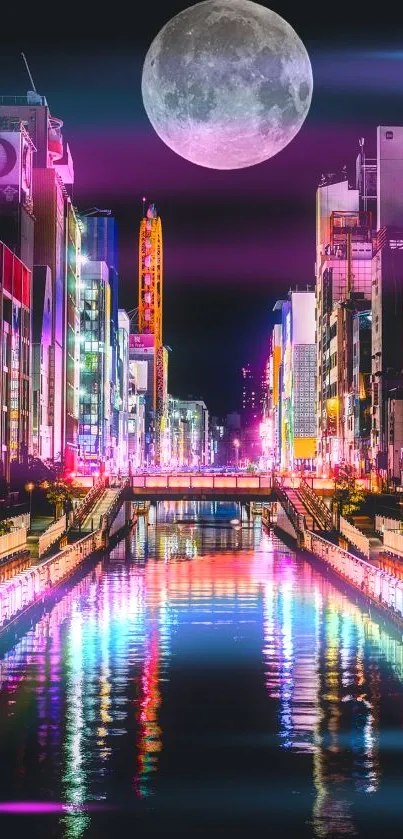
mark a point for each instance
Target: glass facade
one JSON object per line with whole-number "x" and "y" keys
{"x": 188, "y": 421}
{"x": 94, "y": 366}
{"x": 73, "y": 243}
{"x": 122, "y": 402}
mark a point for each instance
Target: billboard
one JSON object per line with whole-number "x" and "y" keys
{"x": 15, "y": 168}
{"x": 332, "y": 412}
{"x": 141, "y": 341}
{"x": 303, "y": 317}
{"x": 10, "y": 166}
{"x": 138, "y": 373}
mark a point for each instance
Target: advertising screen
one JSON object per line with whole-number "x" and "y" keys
{"x": 141, "y": 341}
{"x": 10, "y": 166}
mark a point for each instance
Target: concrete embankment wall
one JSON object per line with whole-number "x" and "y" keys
{"x": 381, "y": 588}
{"x": 125, "y": 515}
{"x": 34, "y": 583}
{"x": 283, "y": 522}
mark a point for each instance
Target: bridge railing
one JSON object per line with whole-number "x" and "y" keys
{"x": 83, "y": 509}
{"x": 114, "y": 507}
{"x": 316, "y": 505}
{"x": 297, "y": 519}
{"x": 199, "y": 481}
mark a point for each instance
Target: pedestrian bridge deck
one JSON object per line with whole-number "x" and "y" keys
{"x": 194, "y": 485}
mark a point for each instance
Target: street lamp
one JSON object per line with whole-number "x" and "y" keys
{"x": 29, "y": 487}
{"x": 236, "y": 444}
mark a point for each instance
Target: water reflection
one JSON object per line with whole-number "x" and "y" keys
{"x": 115, "y": 696}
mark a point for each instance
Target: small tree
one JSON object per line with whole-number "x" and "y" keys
{"x": 58, "y": 493}
{"x": 349, "y": 496}
{"x": 5, "y": 526}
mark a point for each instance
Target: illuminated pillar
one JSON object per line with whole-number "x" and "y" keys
{"x": 150, "y": 307}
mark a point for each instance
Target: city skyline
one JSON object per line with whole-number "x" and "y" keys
{"x": 229, "y": 236}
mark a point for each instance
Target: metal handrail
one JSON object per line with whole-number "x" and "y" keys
{"x": 297, "y": 519}
{"x": 320, "y": 510}
{"x": 116, "y": 503}
{"x": 92, "y": 496}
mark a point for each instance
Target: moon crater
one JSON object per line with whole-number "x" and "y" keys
{"x": 227, "y": 84}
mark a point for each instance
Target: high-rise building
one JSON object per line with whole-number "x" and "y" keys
{"x": 252, "y": 409}
{"x": 94, "y": 393}
{"x": 251, "y": 393}
{"x": 189, "y": 424}
{"x": 17, "y": 153}
{"x": 56, "y": 245}
{"x": 122, "y": 462}
{"x": 17, "y": 233}
{"x": 41, "y": 354}
{"x": 389, "y": 173}
{"x": 15, "y": 353}
{"x": 343, "y": 284}
{"x": 297, "y": 381}
{"x": 141, "y": 387}
{"x": 100, "y": 243}
{"x": 71, "y": 340}
{"x": 271, "y": 424}
{"x": 387, "y": 350}
{"x": 360, "y": 413}
{"x": 357, "y": 275}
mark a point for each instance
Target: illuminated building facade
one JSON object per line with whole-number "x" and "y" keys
{"x": 270, "y": 429}
{"x": 56, "y": 245}
{"x": 150, "y": 323}
{"x": 122, "y": 460}
{"x": 16, "y": 236}
{"x": 356, "y": 272}
{"x": 141, "y": 388}
{"x": 15, "y": 354}
{"x": 16, "y": 202}
{"x": 100, "y": 243}
{"x": 298, "y": 420}
{"x": 387, "y": 353}
{"x": 71, "y": 354}
{"x": 41, "y": 351}
{"x": 343, "y": 284}
{"x": 251, "y": 414}
{"x": 94, "y": 393}
{"x": 361, "y": 414}
{"x": 189, "y": 430}
{"x": 290, "y": 419}
{"x": 250, "y": 396}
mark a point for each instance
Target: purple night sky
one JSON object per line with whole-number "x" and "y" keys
{"x": 233, "y": 241}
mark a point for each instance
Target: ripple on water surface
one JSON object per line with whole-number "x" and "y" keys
{"x": 202, "y": 677}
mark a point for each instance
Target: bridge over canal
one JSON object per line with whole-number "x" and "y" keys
{"x": 194, "y": 486}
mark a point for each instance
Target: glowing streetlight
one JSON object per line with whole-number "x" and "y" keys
{"x": 236, "y": 444}
{"x": 29, "y": 487}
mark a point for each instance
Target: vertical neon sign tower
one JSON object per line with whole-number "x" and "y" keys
{"x": 150, "y": 307}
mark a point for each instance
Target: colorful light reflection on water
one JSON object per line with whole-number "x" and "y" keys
{"x": 204, "y": 674}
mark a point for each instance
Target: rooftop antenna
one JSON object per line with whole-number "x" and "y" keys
{"x": 29, "y": 72}
{"x": 134, "y": 319}
{"x": 94, "y": 210}
{"x": 144, "y": 199}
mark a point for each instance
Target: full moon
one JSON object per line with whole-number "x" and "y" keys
{"x": 227, "y": 84}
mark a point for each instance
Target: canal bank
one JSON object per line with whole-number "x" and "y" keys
{"x": 375, "y": 587}
{"x": 197, "y": 682}
{"x": 34, "y": 584}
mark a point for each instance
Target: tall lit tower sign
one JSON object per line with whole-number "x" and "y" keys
{"x": 150, "y": 305}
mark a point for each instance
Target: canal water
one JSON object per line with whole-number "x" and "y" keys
{"x": 202, "y": 679}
